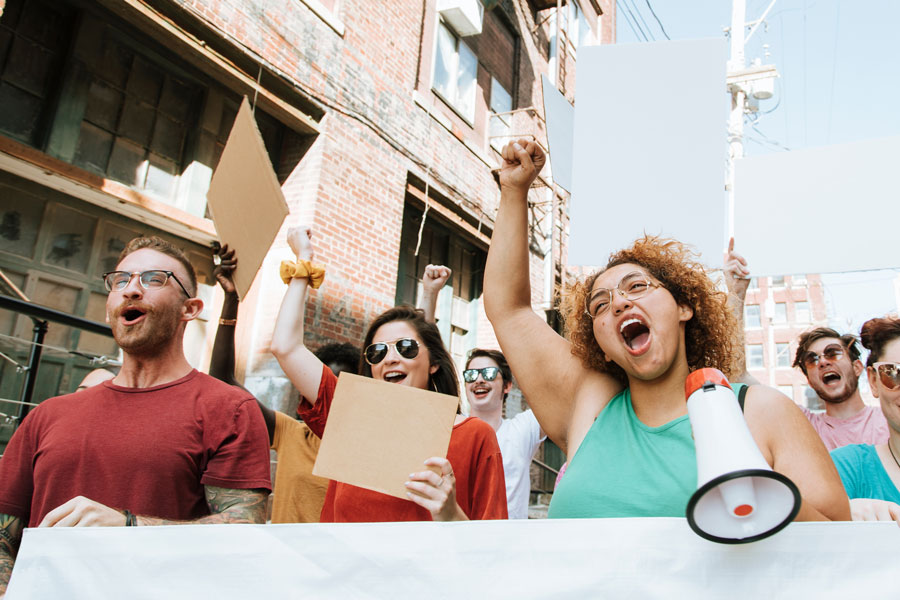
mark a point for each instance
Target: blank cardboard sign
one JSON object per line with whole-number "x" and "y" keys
{"x": 791, "y": 207}
{"x": 378, "y": 433}
{"x": 560, "y": 117}
{"x": 245, "y": 200}
{"x": 650, "y": 149}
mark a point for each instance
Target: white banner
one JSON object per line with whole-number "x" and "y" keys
{"x": 609, "y": 558}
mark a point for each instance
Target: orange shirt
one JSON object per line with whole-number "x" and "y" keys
{"x": 299, "y": 494}
{"x": 473, "y": 453}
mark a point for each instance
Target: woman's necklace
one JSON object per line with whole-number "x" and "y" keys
{"x": 894, "y": 456}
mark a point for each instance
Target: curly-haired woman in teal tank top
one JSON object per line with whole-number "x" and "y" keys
{"x": 612, "y": 395}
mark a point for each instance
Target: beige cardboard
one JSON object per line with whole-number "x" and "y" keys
{"x": 245, "y": 200}
{"x": 378, "y": 433}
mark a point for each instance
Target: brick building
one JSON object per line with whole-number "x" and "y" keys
{"x": 776, "y": 311}
{"x": 382, "y": 120}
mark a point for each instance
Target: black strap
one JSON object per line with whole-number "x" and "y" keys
{"x": 741, "y": 395}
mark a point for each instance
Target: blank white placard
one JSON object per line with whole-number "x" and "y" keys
{"x": 650, "y": 147}
{"x": 819, "y": 210}
{"x": 560, "y": 117}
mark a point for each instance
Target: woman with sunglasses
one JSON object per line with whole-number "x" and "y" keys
{"x": 400, "y": 347}
{"x": 871, "y": 474}
{"x": 612, "y": 394}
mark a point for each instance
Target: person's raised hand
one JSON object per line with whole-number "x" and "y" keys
{"x": 736, "y": 272}
{"x": 436, "y": 492}
{"x": 83, "y": 512}
{"x": 299, "y": 238}
{"x": 522, "y": 161}
{"x": 434, "y": 278}
{"x": 225, "y": 266}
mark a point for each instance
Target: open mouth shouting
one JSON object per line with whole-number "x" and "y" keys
{"x": 831, "y": 378}
{"x": 394, "y": 376}
{"x": 132, "y": 315}
{"x": 635, "y": 334}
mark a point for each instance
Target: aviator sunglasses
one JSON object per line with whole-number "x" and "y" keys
{"x": 888, "y": 374}
{"x": 832, "y": 353}
{"x": 487, "y": 373}
{"x": 405, "y": 347}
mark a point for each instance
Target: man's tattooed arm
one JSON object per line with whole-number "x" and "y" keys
{"x": 227, "y": 506}
{"x": 10, "y": 538}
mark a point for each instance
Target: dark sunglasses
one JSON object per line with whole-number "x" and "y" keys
{"x": 405, "y": 347}
{"x": 888, "y": 374}
{"x": 487, "y": 373}
{"x": 832, "y": 352}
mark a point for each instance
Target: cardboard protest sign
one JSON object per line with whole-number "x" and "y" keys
{"x": 650, "y": 149}
{"x": 378, "y": 433}
{"x": 245, "y": 200}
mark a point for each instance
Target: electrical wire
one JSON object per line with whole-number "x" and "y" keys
{"x": 837, "y": 29}
{"x": 639, "y": 35}
{"x": 640, "y": 16}
{"x": 645, "y": 31}
{"x": 653, "y": 12}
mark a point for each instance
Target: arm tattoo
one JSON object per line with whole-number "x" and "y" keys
{"x": 227, "y": 506}
{"x": 10, "y": 537}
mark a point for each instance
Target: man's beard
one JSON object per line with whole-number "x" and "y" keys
{"x": 850, "y": 387}
{"x": 152, "y": 334}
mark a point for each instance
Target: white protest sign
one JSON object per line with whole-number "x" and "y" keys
{"x": 560, "y": 118}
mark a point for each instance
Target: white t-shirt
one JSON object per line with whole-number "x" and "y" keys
{"x": 518, "y": 438}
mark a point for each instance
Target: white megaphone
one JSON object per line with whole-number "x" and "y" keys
{"x": 739, "y": 498}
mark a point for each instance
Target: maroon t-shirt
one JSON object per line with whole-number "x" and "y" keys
{"x": 148, "y": 450}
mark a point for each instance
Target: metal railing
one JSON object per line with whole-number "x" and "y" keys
{"x": 41, "y": 317}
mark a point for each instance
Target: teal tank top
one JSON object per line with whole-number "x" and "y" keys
{"x": 624, "y": 468}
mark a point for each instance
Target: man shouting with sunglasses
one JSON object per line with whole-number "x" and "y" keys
{"x": 158, "y": 444}
{"x": 488, "y": 383}
{"x": 832, "y": 367}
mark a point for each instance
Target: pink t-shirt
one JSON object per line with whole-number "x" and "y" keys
{"x": 868, "y": 426}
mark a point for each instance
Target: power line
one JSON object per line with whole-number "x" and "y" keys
{"x": 653, "y": 12}
{"x": 837, "y": 29}
{"x": 640, "y": 16}
{"x": 632, "y": 22}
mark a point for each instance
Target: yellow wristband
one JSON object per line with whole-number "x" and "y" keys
{"x": 302, "y": 269}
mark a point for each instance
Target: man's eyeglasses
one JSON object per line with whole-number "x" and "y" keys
{"x": 118, "y": 280}
{"x": 832, "y": 353}
{"x": 405, "y": 347}
{"x": 487, "y": 373}
{"x": 888, "y": 374}
{"x": 631, "y": 287}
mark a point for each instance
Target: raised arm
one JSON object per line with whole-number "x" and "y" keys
{"x": 793, "y": 448}
{"x": 221, "y": 364}
{"x": 433, "y": 280}
{"x": 10, "y": 537}
{"x": 547, "y": 372}
{"x": 737, "y": 280}
{"x": 296, "y": 360}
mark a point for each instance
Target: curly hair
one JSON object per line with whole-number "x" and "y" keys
{"x": 344, "y": 355}
{"x": 712, "y": 336}
{"x": 878, "y": 333}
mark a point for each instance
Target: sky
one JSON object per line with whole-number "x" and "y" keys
{"x": 839, "y": 66}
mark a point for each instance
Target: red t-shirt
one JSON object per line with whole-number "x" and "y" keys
{"x": 150, "y": 450}
{"x": 473, "y": 453}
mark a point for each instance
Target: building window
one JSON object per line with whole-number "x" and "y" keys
{"x": 778, "y": 281}
{"x": 755, "y": 356}
{"x": 751, "y": 316}
{"x": 801, "y": 312}
{"x": 136, "y": 121}
{"x": 754, "y": 283}
{"x": 455, "y": 72}
{"x": 811, "y": 400}
{"x": 34, "y": 37}
{"x": 501, "y": 119}
{"x": 579, "y": 30}
{"x": 780, "y": 313}
{"x": 787, "y": 390}
{"x": 457, "y": 309}
{"x": 783, "y": 356}
{"x": 798, "y": 281}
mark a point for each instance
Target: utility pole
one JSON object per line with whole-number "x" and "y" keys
{"x": 747, "y": 86}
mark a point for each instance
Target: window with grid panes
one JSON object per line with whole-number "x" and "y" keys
{"x": 501, "y": 120}
{"x": 752, "y": 318}
{"x": 783, "y": 356}
{"x": 455, "y": 72}
{"x": 754, "y": 356}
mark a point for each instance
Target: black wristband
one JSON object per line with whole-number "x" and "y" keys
{"x": 130, "y": 519}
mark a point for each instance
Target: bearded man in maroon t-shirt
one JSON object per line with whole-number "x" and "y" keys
{"x": 158, "y": 444}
